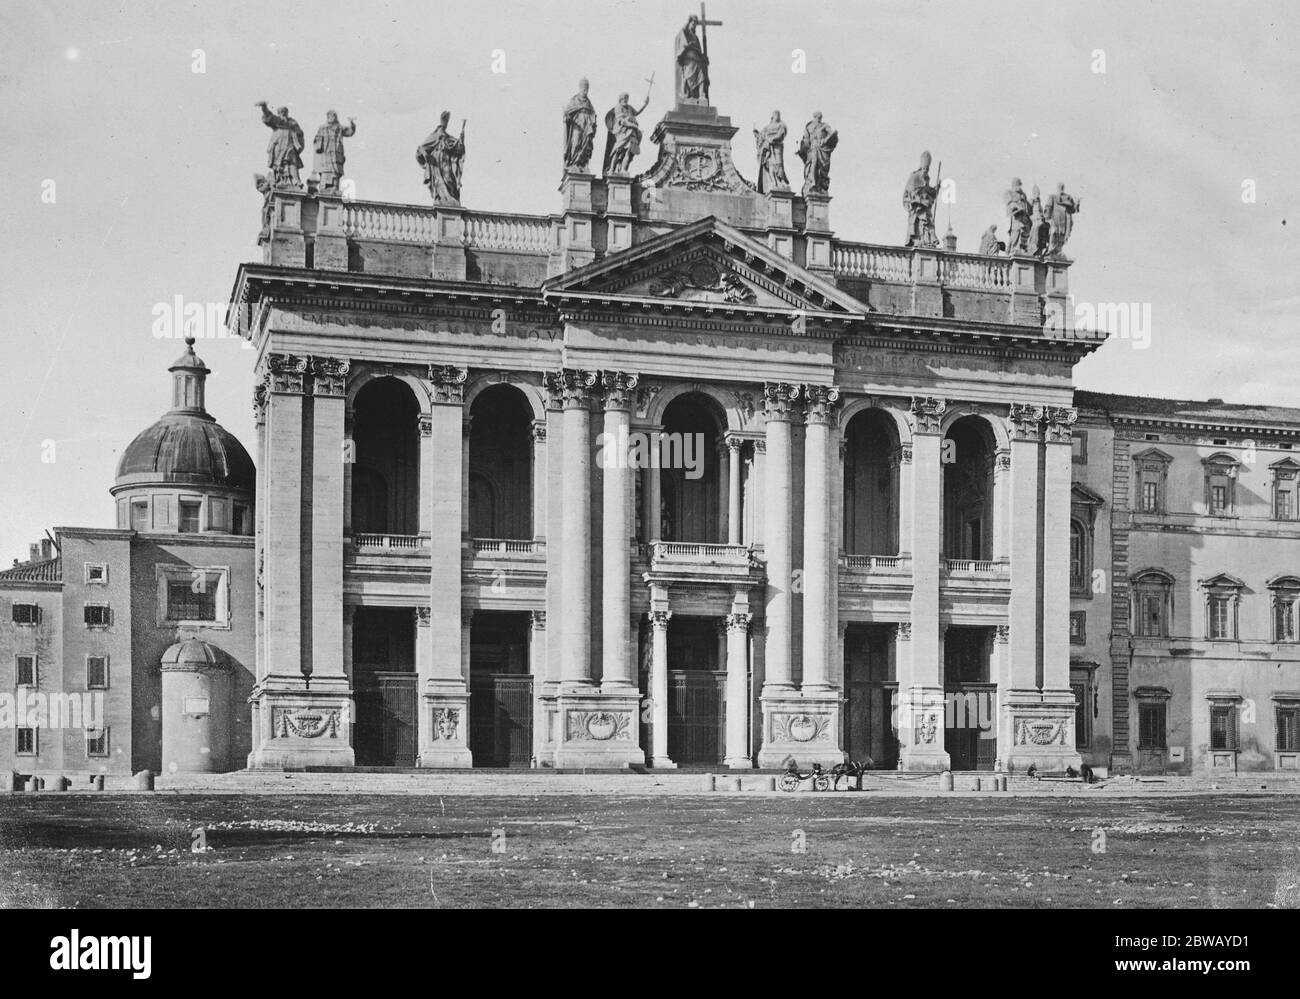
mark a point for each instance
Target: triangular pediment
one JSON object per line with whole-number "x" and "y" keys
{"x": 1083, "y": 496}
{"x": 707, "y": 263}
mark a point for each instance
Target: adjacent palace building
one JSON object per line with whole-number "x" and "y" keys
{"x": 673, "y": 477}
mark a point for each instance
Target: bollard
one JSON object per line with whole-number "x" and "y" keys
{"x": 733, "y": 784}
{"x": 945, "y": 781}
{"x": 144, "y": 780}
{"x": 97, "y": 782}
{"x": 771, "y": 783}
{"x": 710, "y": 782}
{"x": 978, "y": 785}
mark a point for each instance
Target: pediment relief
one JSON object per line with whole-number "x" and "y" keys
{"x": 706, "y": 276}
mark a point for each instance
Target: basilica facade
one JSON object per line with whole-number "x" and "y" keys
{"x": 674, "y": 476}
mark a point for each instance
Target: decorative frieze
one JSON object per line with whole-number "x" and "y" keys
{"x": 448, "y": 384}
{"x": 329, "y": 376}
{"x": 819, "y": 403}
{"x": 304, "y": 723}
{"x": 1042, "y": 732}
{"x": 618, "y": 387}
{"x": 285, "y": 373}
{"x": 801, "y": 728}
{"x": 927, "y": 414}
{"x": 599, "y": 726}
{"x": 1026, "y": 421}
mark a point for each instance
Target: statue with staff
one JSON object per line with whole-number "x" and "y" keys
{"x": 443, "y": 157}
{"x": 919, "y": 196}
{"x": 692, "y": 52}
{"x": 623, "y": 133}
{"x": 579, "y": 129}
{"x": 284, "y": 151}
{"x": 770, "y": 142}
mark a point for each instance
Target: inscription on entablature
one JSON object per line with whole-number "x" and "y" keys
{"x": 873, "y": 360}
{"x": 675, "y": 337}
{"x": 319, "y": 320}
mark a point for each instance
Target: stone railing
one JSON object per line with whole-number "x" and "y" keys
{"x": 415, "y": 224}
{"x": 688, "y": 551}
{"x": 975, "y": 567}
{"x": 894, "y": 263}
{"x": 876, "y": 563}
{"x": 522, "y": 233}
{"x": 397, "y": 223}
{"x": 390, "y": 542}
{"x": 505, "y": 546}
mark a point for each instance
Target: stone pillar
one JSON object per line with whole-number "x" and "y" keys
{"x": 819, "y": 403}
{"x": 444, "y": 707}
{"x": 659, "y": 689}
{"x": 776, "y": 535}
{"x": 1058, "y": 469}
{"x": 537, "y": 667}
{"x": 575, "y": 631}
{"x": 539, "y": 479}
{"x": 350, "y": 457}
{"x": 734, "y": 495}
{"x": 302, "y": 700}
{"x": 920, "y": 670}
{"x": 1023, "y": 546}
{"x": 737, "y": 749}
{"x": 618, "y": 666}
{"x": 653, "y": 496}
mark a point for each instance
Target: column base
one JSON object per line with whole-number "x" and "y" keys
{"x": 546, "y": 724}
{"x": 444, "y": 725}
{"x": 595, "y": 729}
{"x": 739, "y": 763}
{"x": 805, "y": 727}
{"x": 920, "y": 719}
{"x": 296, "y": 726}
{"x": 663, "y": 763}
{"x": 1040, "y": 725}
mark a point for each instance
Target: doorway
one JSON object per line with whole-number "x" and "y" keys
{"x": 384, "y": 686}
{"x": 501, "y": 689}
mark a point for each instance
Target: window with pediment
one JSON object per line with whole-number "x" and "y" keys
{"x": 1286, "y": 477}
{"x": 1221, "y": 484}
{"x": 1285, "y": 591}
{"x": 1153, "y": 603}
{"x": 1150, "y": 476}
{"x": 1222, "y": 598}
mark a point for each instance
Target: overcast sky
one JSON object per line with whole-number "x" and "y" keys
{"x": 1160, "y": 117}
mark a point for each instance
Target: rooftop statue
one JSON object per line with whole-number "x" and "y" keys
{"x": 623, "y": 143}
{"x": 443, "y": 158}
{"x": 284, "y": 149}
{"x": 770, "y": 142}
{"x": 1037, "y": 241}
{"x": 919, "y": 196}
{"x": 329, "y": 150}
{"x": 579, "y": 130}
{"x": 693, "y": 59}
{"x": 1060, "y": 210}
{"x": 815, "y": 148}
{"x": 990, "y": 245}
{"x": 265, "y": 185}
{"x": 1018, "y": 211}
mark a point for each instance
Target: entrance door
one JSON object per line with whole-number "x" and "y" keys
{"x": 501, "y": 719}
{"x": 384, "y": 734}
{"x": 696, "y": 716}
{"x": 871, "y": 691}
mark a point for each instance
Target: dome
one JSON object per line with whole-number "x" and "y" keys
{"x": 187, "y": 446}
{"x": 188, "y": 449}
{"x": 192, "y": 654}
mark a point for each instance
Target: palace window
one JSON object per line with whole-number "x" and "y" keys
{"x": 1152, "y": 603}
{"x": 26, "y": 614}
{"x": 96, "y": 672}
{"x": 1220, "y": 484}
{"x": 1151, "y": 468}
{"x": 97, "y": 615}
{"x": 1286, "y": 476}
{"x": 189, "y": 595}
{"x": 1223, "y": 726}
{"x": 24, "y": 671}
{"x": 1151, "y": 725}
{"x": 97, "y": 742}
{"x": 1222, "y": 597}
{"x": 1288, "y": 727}
{"x": 1286, "y": 592}
{"x": 1084, "y": 504}
{"x": 1078, "y": 624}
{"x": 1078, "y": 557}
{"x": 25, "y": 741}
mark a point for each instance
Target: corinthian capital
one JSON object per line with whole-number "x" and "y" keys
{"x": 1060, "y": 423}
{"x": 819, "y": 403}
{"x": 1026, "y": 421}
{"x": 618, "y": 387}
{"x": 572, "y": 386}
{"x": 448, "y": 383}
{"x": 778, "y": 399}
{"x": 329, "y": 375}
{"x": 286, "y": 373}
{"x": 927, "y": 413}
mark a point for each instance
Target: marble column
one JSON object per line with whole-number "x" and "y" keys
{"x": 539, "y": 479}
{"x": 735, "y": 495}
{"x": 575, "y": 631}
{"x": 1058, "y": 472}
{"x": 777, "y": 542}
{"x": 819, "y": 402}
{"x": 537, "y": 667}
{"x": 428, "y": 459}
{"x": 444, "y": 695}
{"x": 1024, "y": 546}
{"x": 651, "y": 513}
{"x": 737, "y": 749}
{"x": 618, "y": 668}
{"x": 659, "y": 689}
{"x": 920, "y": 671}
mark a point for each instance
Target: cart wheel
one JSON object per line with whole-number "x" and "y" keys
{"x": 822, "y": 783}
{"x": 789, "y": 782}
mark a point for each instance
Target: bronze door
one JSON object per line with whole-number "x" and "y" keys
{"x": 696, "y": 717}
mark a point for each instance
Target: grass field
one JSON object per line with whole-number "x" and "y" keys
{"x": 688, "y": 851}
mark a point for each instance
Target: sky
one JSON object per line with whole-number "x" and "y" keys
{"x": 129, "y": 139}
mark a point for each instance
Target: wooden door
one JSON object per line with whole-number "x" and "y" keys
{"x": 501, "y": 719}
{"x": 696, "y": 717}
{"x": 384, "y": 735}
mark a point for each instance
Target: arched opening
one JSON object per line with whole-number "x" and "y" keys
{"x": 386, "y": 459}
{"x": 967, "y": 456}
{"x": 501, "y": 465}
{"x": 692, "y": 499}
{"x": 871, "y": 484}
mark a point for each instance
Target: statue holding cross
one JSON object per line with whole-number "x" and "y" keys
{"x": 693, "y": 58}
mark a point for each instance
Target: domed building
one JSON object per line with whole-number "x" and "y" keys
{"x": 133, "y": 647}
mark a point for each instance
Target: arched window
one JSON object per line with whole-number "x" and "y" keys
{"x": 871, "y": 472}
{"x": 386, "y": 459}
{"x": 968, "y": 455}
{"x": 501, "y": 465}
{"x": 1153, "y": 603}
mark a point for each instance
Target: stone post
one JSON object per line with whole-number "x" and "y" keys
{"x": 444, "y": 708}
{"x": 618, "y": 668}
